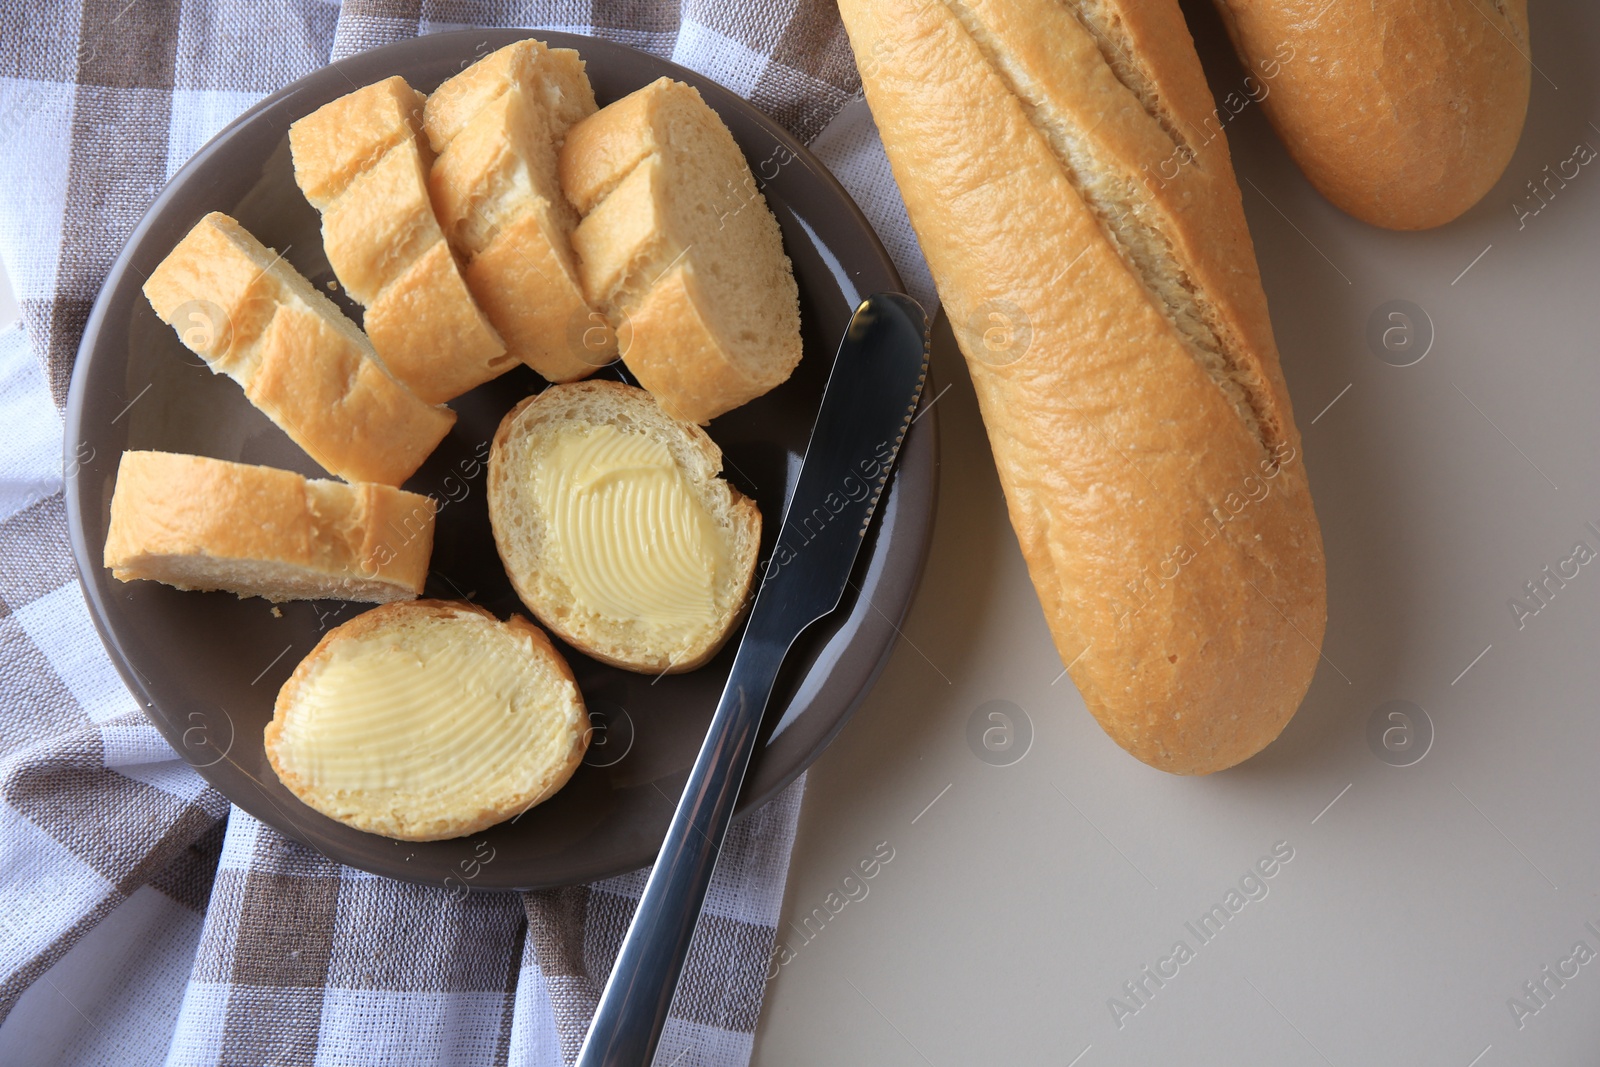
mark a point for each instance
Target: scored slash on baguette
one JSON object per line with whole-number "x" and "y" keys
{"x": 250, "y": 315}
{"x": 679, "y": 248}
{"x": 208, "y": 524}
{"x": 362, "y": 162}
{"x": 542, "y": 568}
{"x": 428, "y": 720}
{"x": 497, "y": 127}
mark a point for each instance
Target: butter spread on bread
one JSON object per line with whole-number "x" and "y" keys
{"x": 1139, "y": 419}
{"x": 242, "y": 308}
{"x": 428, "y": 720}
{"x": 361, "y": 160}
{"x": 627, "y": 530}
{"x": 497, "y": 127}
{"x": 208, "y": 524}
{"x": 616, "y": 530}
{"x": 679, "y": 248}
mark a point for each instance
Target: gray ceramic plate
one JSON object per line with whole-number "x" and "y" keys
{"x": 207, "y": 666}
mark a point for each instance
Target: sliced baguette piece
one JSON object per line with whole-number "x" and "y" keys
{"x": 497, "y": 127}
{"x": 1140, "y": 423}
{"x": 208, "y": 524}
{"x": 362, "y": 162}
{"x": 616, "y": 530}
{"x": 678, "y": 247}
{"x": 428, "y": 720}
{"x": 242, "y": 308}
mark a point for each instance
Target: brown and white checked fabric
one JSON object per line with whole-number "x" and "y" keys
{"x": 142, "y": 920}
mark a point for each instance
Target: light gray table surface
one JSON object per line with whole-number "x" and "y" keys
{"x": 1419, "y": 898}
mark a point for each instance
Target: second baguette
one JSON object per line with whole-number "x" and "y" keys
{"x": 1404, "y": 113}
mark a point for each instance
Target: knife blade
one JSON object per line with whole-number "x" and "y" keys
{"x": 867, "y": 406}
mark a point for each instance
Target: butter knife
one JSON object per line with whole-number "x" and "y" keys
{"x": 867, "y": 407}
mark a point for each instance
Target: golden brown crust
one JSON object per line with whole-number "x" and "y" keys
{"x": 374, "y": 621}
{"x": 526, "y": 287}
{"x": 224, "y": 296}
{"x": 497, "y": 127}
{"x": 246, "y": 312}
{"x": 346, "y": 411}
{"x": 677, "y": 245}
{"x": 679, "y": 357}
{"x": 243, "y": 528}
{"x": 363, "y": 162}
{"x": 335, "y": 144}
{"x": 1405, "y": 113}
{"x": 382, "y": 220}
{"x": 599, "y": 154}
{"x": 1140, "y": 423}
{"x": 432, "y": 333}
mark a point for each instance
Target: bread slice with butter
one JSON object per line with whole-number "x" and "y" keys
{"x": 497, "y": 127}
{"x": 361, "y": 160}
{"x": 679, "y": 248}
{"x": 428, "y": 720}
{"x": 243, "y": 309}
{"x": 615, "y": 528}
{"x": 208, "y": 524}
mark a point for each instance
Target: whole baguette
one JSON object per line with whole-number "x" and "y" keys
{"x": 1118, "y": 339}
{"x": 1403, "y": 113}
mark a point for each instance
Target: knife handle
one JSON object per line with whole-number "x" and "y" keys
{"x": 633, "y": 1009}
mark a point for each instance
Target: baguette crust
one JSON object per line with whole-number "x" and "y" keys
{"x": 251, "y": 316}
{"x": 678, "y": 247}
{"x": 341, "y": 140}
{"x": 557, "y": 73}
{"x": 198, "y": 523}
{"x": 362, "y": 162}
{"x": 425, "y": 825}
{"x": 1140, "y": 424}
{"x": 1405, "y": 113}
{"x": 497, "y": 127}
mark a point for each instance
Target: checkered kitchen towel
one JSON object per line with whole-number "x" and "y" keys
{"x": 142, "y": 920}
